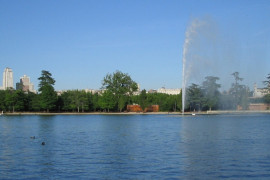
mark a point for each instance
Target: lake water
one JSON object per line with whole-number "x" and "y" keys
{"x": 135, "y": 147}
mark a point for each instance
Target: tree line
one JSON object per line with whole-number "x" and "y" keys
{"x": 117, "y": 92}
{"x": 207, "y": 96}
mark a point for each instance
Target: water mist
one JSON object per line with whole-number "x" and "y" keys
{"x": 190, "y": 34}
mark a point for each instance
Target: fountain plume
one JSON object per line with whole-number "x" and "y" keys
{"x": 189, "y": 36}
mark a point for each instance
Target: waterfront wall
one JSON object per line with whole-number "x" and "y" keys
{"x": 134, "y": 108}
{"x": 259, "y": 107}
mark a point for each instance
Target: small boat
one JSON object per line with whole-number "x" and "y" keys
{"x": 193, "y": 114}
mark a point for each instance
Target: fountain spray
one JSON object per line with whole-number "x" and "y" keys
{"x": 190, "y": 33}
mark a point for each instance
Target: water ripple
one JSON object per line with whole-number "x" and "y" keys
{"x": 135, "y": 147}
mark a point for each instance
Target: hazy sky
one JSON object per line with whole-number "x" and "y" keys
{"x": 79, "y": 42}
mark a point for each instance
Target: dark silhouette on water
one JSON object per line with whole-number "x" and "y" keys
{"x": 33, "y": 137}
{"x": 43, "y": 143}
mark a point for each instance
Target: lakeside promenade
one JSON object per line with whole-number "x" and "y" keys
{"x": 136, "y": 113}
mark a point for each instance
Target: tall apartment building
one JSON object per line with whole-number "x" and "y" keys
{"x": 25, "y": 84}
{"x": 7, "y": 78}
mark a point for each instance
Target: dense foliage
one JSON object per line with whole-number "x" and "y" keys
{"x": 166, "y": 102}
{"x": 11, "y": 101}
{"x": 118, "y": 88}
{"x": 47, "y": 96}
{"x": 267, "y": 82}
{"x": 118, "y": 92}
{"x": 266, "y": 98}
{"x": 208, "y": 97}
{"x": 81, "y": 101}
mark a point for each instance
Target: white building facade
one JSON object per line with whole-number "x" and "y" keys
{"x": 7, "y": 78}
{"x": 169, "y": 91}
{"x": 260, "y": 92}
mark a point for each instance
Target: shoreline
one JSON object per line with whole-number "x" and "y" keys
{"x": 89, "y": 113}
{"x": 136, "y": 113}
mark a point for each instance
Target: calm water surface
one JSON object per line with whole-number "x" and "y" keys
{"x": 135, "y": 147}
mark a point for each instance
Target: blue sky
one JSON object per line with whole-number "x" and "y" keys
{"x": 79, "y": 42}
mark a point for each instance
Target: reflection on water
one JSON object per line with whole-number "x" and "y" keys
{"x": 135, "y": 147}
{"x": 227, "y": 146}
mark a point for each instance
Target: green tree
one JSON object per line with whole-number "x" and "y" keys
{"x": 59, "y": 103}
{"x": 235, "y": 89}
{"x": 166, "y": 102}
{"x": 89, "y": 97}
{"x": 239, "y": 92}
{"x": 143, "y": 99}
{"x": 267, "y": 82}
{"x": 107, "y": 101}
{"x": 267, "y": 98}
{"x": 95, "y": 102}
{"x": 2, "y": 100}
{"x": 75, "y": 100}
{"x": 122, "y": 102}
{"x": 179, "y": 101}
{"x": 66, "y": 101}
{"x": 79, "y": 100}
{"x": 21, "y": 100}
{"x": 10, "y": 100}
{"x": 226, "y": 101}
{"x": 169, "y": 102}
{"x": 244, "y": 101}
{"x": 34, "y": 102}
{"x": 83, "y": 101}
{"x": 211, "y": 92}
{"x": 194, "y": 97}
{"x": 15, "y": 100}
{"x": 120, "y": 85}
{"x": 48, "y": 96}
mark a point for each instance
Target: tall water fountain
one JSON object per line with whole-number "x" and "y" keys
{"x": 190, "y": 33}
{"x": 213, "y": 49}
